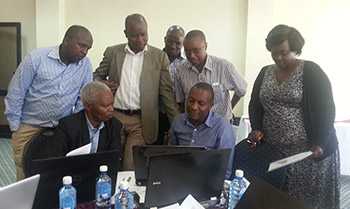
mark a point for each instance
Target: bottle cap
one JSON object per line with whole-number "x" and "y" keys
{"x": 67, "y": 180}
{"x": 239, "y": 173}
{"x": 124, "y": 185}
{"x": 103, "y": 168}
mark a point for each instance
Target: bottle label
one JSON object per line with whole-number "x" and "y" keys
{"x": 68, "y": 202}
{"x": 104, "y": 190}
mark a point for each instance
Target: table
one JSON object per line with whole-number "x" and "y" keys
{"x": 262, "y": 195}
{"x": 343, "y": 134}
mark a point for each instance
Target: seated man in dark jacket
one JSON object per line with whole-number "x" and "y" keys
{"x": 94, "y": 124}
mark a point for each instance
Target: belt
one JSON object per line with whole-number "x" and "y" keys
{"x": 128, "y": 112}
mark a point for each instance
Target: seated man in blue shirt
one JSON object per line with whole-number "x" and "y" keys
{"x": 94, "y": 124}
{"x": 199, "y": 126}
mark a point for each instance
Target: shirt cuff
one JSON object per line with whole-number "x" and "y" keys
{"x": 13, "y": 126}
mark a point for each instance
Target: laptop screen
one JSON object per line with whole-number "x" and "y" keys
{"x": 20, "y": 194}
{"x": 172, "y": 177}
{"x": 84, "y": 170}
{"x": 142, "y": 153}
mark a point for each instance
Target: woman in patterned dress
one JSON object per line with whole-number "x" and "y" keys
{"x": 292, "y": 108}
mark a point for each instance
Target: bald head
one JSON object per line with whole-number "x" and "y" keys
{"x": 175, "y": 29}
{"x": 134, "y": 19}
{"x": 136, "y": 32}
{"x": 74, "y": 30}
{"x": 75, "y": 45}
{"x": 194, "y": 34}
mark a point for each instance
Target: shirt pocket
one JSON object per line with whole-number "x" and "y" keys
{"x": 218, "y": 89}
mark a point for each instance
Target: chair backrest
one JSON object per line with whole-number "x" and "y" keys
{"x": 41, "y": 146}
{"x": 255, "y": 162}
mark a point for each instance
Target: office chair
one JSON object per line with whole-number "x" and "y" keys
{"x": 255, "y": 162}
{"x": 41, "y": 146}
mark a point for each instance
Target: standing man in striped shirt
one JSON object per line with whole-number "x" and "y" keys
{"x": 46, "y": 87}
{"x": 201, "y": 67}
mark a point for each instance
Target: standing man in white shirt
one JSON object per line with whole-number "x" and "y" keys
{"x": 138, "y": 75}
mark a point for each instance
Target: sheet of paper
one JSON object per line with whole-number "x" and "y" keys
{"x": 130, "y": 177}
{"x": 173, "y": 206}
{"x": 190, "y": 203}
{"x": 289, "y": 160}
{"x": 80, "y": 151}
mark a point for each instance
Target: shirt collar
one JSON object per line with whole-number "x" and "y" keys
{"x": 128, "y": 50}
{"x": 180, "y": 57}
{"x": 208, "y": 122}
{"x": 208, "y": 64}
{"x": 91, "y": 127}
{"x": 55, "y": 54}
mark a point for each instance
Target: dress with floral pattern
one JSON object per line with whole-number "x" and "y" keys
{"x": 316, "y": 183}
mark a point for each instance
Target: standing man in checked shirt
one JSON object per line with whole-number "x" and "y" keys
{"x": 46, "y": 87}
{"x": 173, "y": 45}
{"x": 173, "y": 41}
{"x": 201, "y": 67}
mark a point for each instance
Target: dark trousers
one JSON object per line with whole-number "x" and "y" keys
{"x": 163, "y": 129}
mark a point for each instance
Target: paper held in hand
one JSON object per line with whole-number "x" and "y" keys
{"x": 80, "y": 151}
{"x": 288, "y": 160}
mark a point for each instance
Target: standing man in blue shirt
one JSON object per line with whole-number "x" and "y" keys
{"x": 199, "y": 126}
{"x": 46, "y": 87}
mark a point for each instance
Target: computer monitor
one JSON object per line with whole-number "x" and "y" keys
{"x": 142, "y": 153}
{"x": 84, "y": 170}
{"x": 20, "y": 194}
{"x": 173, "y": 176}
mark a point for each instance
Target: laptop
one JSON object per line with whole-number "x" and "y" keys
{"x": 142, "y": 153}
{"x": 20, "y": 194}
{"x": 173, "y": 176}
{"x": 84, "y": 170}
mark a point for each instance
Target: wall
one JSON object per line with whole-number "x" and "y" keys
{"x": 223, "y": 22}
{"x": 21, "y": 11}
{"x": 50, "y": 22}
{"x": 323, "y": 23}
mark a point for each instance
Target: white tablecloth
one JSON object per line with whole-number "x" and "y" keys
{"x": 343, "y": 134}
{"x": 242, "y": 130}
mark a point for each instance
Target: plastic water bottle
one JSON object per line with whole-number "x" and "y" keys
{"x": 124, "y": 199}
{"x": 103, "y": 189}
{"x": 67, "y": 194}
{"x": 237, "y": 189}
